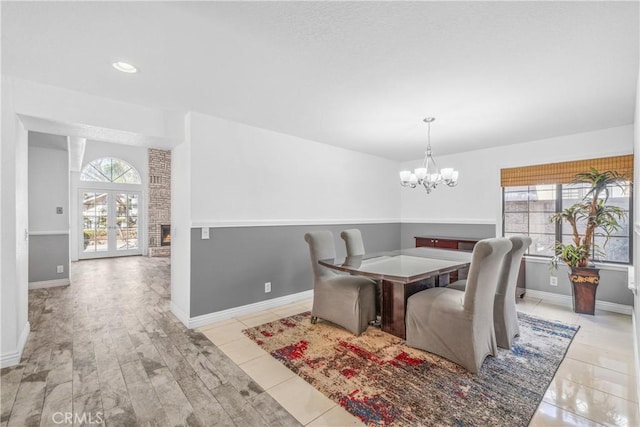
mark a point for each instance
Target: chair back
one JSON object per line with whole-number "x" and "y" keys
{"x": 511, "y": 265}
{"x": 353, "y": 240}
{"x": 486, "y": 263}
{"x": 320, "y": 247}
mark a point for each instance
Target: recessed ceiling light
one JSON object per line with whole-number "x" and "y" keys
{"x": 124, "y": 67}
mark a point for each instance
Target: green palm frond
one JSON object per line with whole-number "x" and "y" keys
{"x": 599, "y": 181}
{"x": 593, "y": 214}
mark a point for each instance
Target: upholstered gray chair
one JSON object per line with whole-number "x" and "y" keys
{"x": 353, "y": 241}
{"x": 348, "y": 301}
{"x": 505, "y": 318}
{"x": 459, "y": 326}
{"x": 355, "y": 248}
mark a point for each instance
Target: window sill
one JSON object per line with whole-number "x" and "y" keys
{"x": 600, "y": 265}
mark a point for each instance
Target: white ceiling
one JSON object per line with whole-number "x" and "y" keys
{"x": 360, "y": 75}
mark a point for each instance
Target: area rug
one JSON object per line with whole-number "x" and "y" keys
{"x": 385, "y": 383}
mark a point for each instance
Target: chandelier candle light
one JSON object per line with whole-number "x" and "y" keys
{"x": 428, "y": 175}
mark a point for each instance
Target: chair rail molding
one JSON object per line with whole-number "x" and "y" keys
{"x": 287, "y": 222}
{"x": 448, "y": 221}
{"x": 49, "y": 232}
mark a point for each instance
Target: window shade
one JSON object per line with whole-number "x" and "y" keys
{"x": 564, "y": 172}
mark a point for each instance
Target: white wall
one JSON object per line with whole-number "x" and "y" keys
{"x": 477, "y": 197}
{"x": 181, "y": 228}
{"x": 243, "y": 174}
{"x": 48, "y": 189}
{"x": 14, "y": 225}
{"x": 227, "y": 174}
{"x": 5, "y": 133}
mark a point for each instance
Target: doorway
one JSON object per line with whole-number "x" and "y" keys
{"x": 110, "y": 223}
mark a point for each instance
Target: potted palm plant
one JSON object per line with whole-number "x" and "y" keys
{"x": 588, "y": 218}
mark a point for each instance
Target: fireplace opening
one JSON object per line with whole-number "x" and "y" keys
{"x": 165, "y": 236}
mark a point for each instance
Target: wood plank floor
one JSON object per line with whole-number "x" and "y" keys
{"x": 107, "y": 351}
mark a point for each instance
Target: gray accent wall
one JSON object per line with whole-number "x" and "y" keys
{"x": 613, "y": 285}
{"x": 230, "y": 268}
{"x": 46, "y": 252}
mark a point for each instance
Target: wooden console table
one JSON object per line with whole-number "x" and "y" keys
{"x": 465, "y": 244}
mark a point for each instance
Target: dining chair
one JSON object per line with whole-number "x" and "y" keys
{"x": 353, "y": 241}
{"x": 348, "y": 301}
{"x": 355, "y": 248}
{"x": 459, "y": 326}
{"x": 505, "y": 316}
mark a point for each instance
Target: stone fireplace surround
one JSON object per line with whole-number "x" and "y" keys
{"x": 159, "y": 204}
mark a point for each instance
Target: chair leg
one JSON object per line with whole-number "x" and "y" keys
{"x": 314, "y": 320}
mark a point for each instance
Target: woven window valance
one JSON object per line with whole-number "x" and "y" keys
{"x": 564, "y": 172}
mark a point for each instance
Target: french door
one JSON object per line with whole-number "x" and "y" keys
{"x": 110, "y": 223}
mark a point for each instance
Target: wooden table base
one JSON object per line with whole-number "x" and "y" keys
{"x": 394, "y": 301}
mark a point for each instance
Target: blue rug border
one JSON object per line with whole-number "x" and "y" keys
{"x": 564, "y": 355}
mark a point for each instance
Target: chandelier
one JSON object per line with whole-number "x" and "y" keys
{"x": 428, "y": 175}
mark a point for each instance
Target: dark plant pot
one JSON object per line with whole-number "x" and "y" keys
{"x": 584, "y": 283}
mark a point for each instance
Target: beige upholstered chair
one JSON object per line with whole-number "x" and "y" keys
{"x": 348, "y": 301}
{"x": 455, "y": 325}
{"x": 505, "y": 318}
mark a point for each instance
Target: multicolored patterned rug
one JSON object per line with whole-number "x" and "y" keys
{"x": 385, "y": 383}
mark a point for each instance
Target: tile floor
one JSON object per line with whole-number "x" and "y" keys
{"x": 109, "y": 345}
{"x": 595, "y": 384}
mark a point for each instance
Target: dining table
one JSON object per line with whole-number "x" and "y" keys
{"x": 402, "y": 273}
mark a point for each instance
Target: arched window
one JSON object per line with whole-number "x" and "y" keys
{"x": 110, "y": 170}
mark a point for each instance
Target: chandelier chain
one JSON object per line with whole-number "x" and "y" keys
{"x": 428, "y": 175}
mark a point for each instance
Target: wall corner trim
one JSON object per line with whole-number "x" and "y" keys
{"x": 180, "y": 314}
{"x": 49, "y": 283}
{"x": 206, "y": 319}
{"x": 13, "y": 358}
{"x": 565, "y": 300}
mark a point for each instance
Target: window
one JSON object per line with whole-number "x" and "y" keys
{"x": 110, "y": 170}
{"x": 526, "y": 210}
{"x": 531, "y": 194}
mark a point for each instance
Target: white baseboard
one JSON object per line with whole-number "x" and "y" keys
{"x": 566, "y": 300}
{"x": 181, "y": 315}
{"x": 206, "y": 319}
{"x": 49, "y": 283}
{"x": 13, "y": 358}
